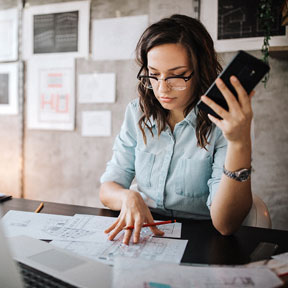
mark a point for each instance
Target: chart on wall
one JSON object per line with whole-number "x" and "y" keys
{"x": 235, "y": 24}
{"x": 9, "y": 88}
{"x": 50, "y": 94}
{"x": 55, "y": 29}
{"x": 55, "y": 32}
{"x": 239, "y": 19}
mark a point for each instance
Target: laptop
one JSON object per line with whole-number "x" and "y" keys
{"x": 37, "y": 263}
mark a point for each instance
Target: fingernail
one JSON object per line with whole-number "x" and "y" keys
{"x": 220, "y": 82}
{"x": 233, "y": 78}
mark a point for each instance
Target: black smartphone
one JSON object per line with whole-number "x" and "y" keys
{"x": 4, "y": 197}
{"x": 264, "y": 250}
{"x": 248, "y": 69}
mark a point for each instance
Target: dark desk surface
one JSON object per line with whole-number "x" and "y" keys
{"x": 205, "y": 245}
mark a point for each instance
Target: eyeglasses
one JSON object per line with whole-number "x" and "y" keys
{"x": 173, "y": 82}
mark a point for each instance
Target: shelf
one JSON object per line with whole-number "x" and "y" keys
{"x": 279, "y": 52}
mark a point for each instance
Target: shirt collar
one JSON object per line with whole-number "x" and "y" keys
{"x": 190, "y": 118}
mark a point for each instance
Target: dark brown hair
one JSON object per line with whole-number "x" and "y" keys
{"x": 190, "y": 33}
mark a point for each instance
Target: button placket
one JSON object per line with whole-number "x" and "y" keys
{"x": 164, "y": 171}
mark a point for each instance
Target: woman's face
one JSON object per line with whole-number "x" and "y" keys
{"x": 165, "y": 61}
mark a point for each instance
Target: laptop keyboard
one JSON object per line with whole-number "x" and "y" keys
{"x": 34, "y": 278}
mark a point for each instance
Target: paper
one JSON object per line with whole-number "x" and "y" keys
{"x": 9, "y": 35}
{"x": 56, "y": 29}
{"x": 91, "y": 222}
{"x": 84, "y": 234}
{"x": 281, "y": 257}
{"x": 159, "y": 9}
{"x": 9, "y": 88}
{"x": 50, "y": 93}
{"x": 278, "y": 267}
{"x": 116, "y": 38}
{"x": 156, "y": 249}
{"x": 96, "y": 123}
{"x": 97, "y": 88}
{"x": 150, "y": 274}
{"x": 36, "y": 225}
{"x": 278, "y": 264}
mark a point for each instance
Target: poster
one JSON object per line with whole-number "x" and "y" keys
{"x": 116, "y": 38}
{"x": 233, "y": 25}
{"x": 97, "y": 88}
{"x": 9, "y": 88}
{"x": 56, "y": 29}
{"x": 9, "y": 35}
{"x": 50, "y": 93}
{"x": 96, "y": 123}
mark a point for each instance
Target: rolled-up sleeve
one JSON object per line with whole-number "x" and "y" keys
{"x": 121, "y": 168}
{"x": 219, "y": 155}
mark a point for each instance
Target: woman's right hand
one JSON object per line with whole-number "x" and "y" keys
{"x": 134, "y": 212}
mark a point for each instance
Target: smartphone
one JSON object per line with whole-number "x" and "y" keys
{"x": 264, "y": 250}
{"x": 248, "y": 69}
{"x": 4, "y": 197}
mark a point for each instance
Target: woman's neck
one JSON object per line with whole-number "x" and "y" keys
{"x": 174, "y": 118}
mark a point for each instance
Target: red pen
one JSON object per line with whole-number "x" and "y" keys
{"x": 151, "y": 224}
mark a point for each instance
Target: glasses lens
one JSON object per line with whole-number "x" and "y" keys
{"x": 146, "y": 82}
{"x": 177, "y": 83}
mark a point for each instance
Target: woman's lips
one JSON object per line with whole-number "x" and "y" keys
{"x": 166, "y": 99}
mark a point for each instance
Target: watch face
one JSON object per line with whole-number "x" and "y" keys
{"x": 244, "y": 174}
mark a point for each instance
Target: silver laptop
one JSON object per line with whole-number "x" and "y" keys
{"x": 37, "y": 262}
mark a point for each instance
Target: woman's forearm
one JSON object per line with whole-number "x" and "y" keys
{"x": 112, "y": 194}
{"x": 233, "y": 199}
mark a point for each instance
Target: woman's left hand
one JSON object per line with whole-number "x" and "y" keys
{"x": 236, "y": 123}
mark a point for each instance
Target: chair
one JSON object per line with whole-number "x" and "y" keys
{"x": 259, "y": 215}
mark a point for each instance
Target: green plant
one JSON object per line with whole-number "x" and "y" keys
{"x": 266, "y": 20}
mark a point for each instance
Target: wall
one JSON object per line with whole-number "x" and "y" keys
{"x": 65, "y": 167}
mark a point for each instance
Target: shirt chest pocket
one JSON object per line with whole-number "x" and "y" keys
{"x": 192, "y": 177}
{"x": 143, "y": 167}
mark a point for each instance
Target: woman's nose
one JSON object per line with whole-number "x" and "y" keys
{"x": 163, "y": 86}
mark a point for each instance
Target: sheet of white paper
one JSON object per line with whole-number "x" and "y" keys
{"x": 156, "y": 249}
{"x": 9, "y": 88}
{"x": 150, "y": 274}
{"x": 116, "y": 38}
{"x": 279, "y": 267}
{"x": 35, "y": 225}
{"x": 54, "y": 227}
{"x": 159, "y": 9}
{"x": 281, "y": 257}
{"x": 171, "y": 230}
{"x": 47, "y": 41}
{"x": 96, "y": 88}
{"x": 9, "y": 34}
{"x": 96, "y": 123}
{"x": 50, "y": 93}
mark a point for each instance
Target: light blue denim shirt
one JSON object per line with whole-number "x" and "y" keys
{"x": 170, "y": 169}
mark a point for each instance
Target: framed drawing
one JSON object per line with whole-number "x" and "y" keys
{"x": 56, "y": 29}
{"x": 9, "y": 88}
{"x": 9, "y": 35}
{"x": 234, "y": 25}
{"x": 50, "y": 93}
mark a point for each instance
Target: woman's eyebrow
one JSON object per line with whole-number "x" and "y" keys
{"x": 171, "y": 69}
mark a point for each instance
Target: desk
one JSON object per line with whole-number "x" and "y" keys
{"x": 205, "y": 244}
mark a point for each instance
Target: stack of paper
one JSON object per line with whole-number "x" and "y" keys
{"x": 84, "y": 234}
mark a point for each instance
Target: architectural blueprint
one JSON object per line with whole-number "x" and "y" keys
{"x": 151, "y": 248}
{"x": 148, "y": 274}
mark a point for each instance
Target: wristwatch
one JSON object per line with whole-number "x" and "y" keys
{"x": 240, "y": 175}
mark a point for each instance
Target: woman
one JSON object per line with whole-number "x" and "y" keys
{"x": 185, "y": 162}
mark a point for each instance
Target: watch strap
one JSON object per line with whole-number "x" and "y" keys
{"x": 240, "y": 175}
